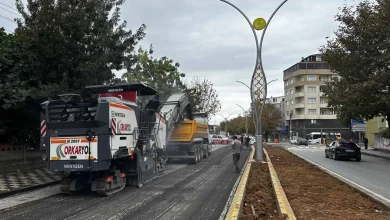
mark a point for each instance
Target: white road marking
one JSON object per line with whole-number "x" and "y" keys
{"x": 347, "y": 180}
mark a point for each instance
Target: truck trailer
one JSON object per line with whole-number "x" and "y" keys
{"x": 190, "y": 139}
{"x": 103, "y": 144}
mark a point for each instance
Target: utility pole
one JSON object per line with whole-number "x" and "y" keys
{"x": 290, "y": 127}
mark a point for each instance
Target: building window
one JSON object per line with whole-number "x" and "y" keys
{"x": 274, "y": 100}
{"x": 312, "y": 100}
{"x": 323, "y": 101}
{"x": 292, "y": 91}
{"x": 325, "y": 78}
{"x": 311, "y": 78}
{"x": 322, "y": 88}
{"x": 318, "y": 58}
{"x": 311, "y": 89}
{"x": 327, "y": 112}
{"x": 291, "y": 102}
{"x": 313, "y": 121}
{"x": 291, "y": 81}
{"x": 287, "y": 102}
{"x": 312, "y": 111}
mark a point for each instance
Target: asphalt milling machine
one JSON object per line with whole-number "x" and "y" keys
{"x": 106, "y": 143}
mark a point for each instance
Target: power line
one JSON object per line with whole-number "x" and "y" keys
{"x": 8, "y": 6}
{"x": 7, "y": 18}
{"x": 9, "y": 11}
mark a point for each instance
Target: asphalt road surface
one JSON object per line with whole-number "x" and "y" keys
{"x": 197, "y": 191}
{"x": 373, "y": 173}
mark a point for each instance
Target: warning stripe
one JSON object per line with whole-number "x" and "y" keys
{"x": 113, "y": 126}
{"x": 161, "y": 118}
{"x": 119, "y": 105}
{"x": 64, "y": 141}
{"x": 43, "y": 128}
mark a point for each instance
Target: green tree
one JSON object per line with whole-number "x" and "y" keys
{"x": 360, "y": 55}
{"x": 19, "y": 115}
{"x": 162, "y": 74}
{"x": 73, "y": 43}
{"x": 203, "y": 97}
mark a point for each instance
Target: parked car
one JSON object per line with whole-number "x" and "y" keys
{"x": 224, "y": 139}
{"x": 219, "y": 139}
{"x": 343, "y": 149}
{"x": 302, "y": 141}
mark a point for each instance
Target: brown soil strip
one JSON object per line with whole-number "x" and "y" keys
{"x": 314, "y": 194}
{"x": 260, "y": 195}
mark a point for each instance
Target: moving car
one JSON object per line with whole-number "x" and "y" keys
{"x": 343, "y": 149}
{"x": 301, "y": 141}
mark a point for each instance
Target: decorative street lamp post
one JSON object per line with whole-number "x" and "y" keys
{"x": 259, "y": 83}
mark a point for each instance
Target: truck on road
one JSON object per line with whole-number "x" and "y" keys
{"x": 108, "y": 142}
{"x": 190, "y": 139}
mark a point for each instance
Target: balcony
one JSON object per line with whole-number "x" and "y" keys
{"x": 299, "y": 105}
{"x": 328, "y": 116}
{"x": 299, "y": 94}
{"x": 323, "y": 105}
{"x": 297, "y": 117}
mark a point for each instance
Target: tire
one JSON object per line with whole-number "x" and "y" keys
{"x": 200, "y": 156}
{"x": 334, "y": 156}
{"x": 206, "y": 154}
{"x": 358, "y": 159}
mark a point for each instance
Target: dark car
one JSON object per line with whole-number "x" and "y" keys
{"x": 302, "y": 141}
{"x": 343, "y": 149}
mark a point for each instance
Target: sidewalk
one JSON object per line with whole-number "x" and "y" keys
{"x": 375, "y": 152}
{"x": 15, "y": 182}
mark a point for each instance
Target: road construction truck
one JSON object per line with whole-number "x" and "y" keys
{"x": 113, "y": 140}
{"x": 190, "y": 139}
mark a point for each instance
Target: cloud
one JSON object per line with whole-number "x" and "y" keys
{"x": 211, "y": 39}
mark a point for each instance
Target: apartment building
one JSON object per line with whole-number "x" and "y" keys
{"x": 305, "y": 103}
{"x": 280, "y": 104}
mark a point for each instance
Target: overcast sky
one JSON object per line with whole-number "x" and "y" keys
{"x": 210, "y": 39}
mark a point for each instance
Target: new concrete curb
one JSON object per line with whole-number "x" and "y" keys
{"x": 359, "y": 188}
{"x": 284, "y": 207}
{"x": 233, "y": 207}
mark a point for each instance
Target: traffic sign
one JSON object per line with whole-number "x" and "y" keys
{"x": 359, "y": 125}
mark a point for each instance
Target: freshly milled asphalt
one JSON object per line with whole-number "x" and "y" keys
{"x": 372, "y": 173}
{"x": 191, "y": 192}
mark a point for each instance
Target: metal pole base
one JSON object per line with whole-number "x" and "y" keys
{"x": 259, "y": 147}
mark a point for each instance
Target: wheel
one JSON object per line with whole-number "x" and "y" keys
{"x": 358, "y": 159}
{"x": 334, "y": 156}
{"x": 200, "y": 153}
{"x": 206, "y": 154}
{"x": 326, "y": 155}
{"x": 196, "y": 155}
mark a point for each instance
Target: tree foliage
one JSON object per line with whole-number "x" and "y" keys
{"x": 73, "y": 43}
{"x": 360, "y": 55}
{"x": 271, "y": 118}
{"x": 162, "y": 74}
{"x": 203, "y": 96}
{"x": 58, "y": 47}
